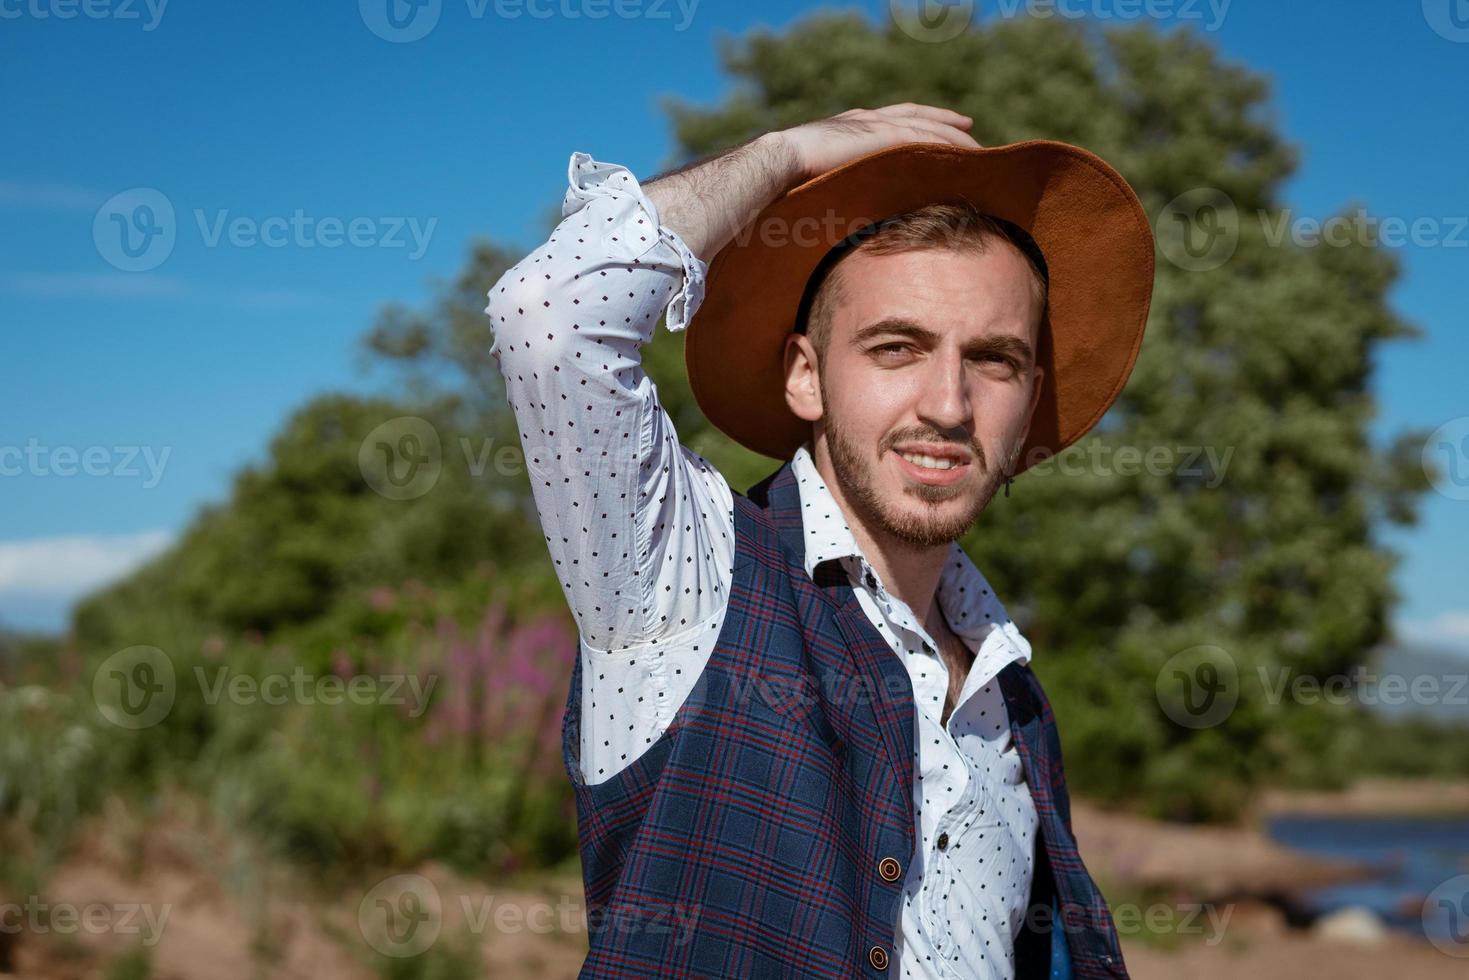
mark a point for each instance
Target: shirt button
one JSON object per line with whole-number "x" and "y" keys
{"x": 878, "y": 957}
{"x": 943, "y": 840}
{"x": 889, "y": 869}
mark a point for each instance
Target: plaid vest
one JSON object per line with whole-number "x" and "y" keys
{"x": 765, "y": 832}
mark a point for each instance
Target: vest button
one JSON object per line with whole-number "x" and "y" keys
{"x": 878, "y": 957}
{"x": 889, "y": 869}
{"x": 943, "y": 841}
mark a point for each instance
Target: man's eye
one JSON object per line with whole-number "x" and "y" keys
{"x": 890, "y": 348}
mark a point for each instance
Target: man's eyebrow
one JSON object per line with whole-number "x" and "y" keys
{"x": 896, "y": 325}
{"x": 903, "y": 327}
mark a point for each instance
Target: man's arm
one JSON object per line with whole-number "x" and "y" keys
{"x": 569, "y": 321}
{"x": 707, "y": 202}
{"x": 640, "y": 528}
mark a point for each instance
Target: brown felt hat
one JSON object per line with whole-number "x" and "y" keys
{"x": 1090, "y": 226}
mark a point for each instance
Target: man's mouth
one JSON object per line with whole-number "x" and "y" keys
{"x": 931, "y": 462}
{"x": 935, "y": 466}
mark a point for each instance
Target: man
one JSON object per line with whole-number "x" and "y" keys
{"x": 803, "y": 732}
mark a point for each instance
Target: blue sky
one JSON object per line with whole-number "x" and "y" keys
{"x": 165, "y": 381}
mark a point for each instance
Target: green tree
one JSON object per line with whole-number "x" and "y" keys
{"x": 1269, "y": 554}
{"x": 305, "y": 535}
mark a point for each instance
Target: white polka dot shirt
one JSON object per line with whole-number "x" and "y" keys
{"x": 641, "y": 530}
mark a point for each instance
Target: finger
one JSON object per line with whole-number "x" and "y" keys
{"x": 935, "y": 132}
{"x": 922, "y": 111}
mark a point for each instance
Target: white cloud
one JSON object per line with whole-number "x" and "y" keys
{"x": 70, "y": 567}
{"x": 1448, "y": 629}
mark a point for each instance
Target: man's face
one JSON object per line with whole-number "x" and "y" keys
{"x": 926, "y": 387}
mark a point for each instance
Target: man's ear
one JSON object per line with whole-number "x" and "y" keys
{"x": 803, "y": 380}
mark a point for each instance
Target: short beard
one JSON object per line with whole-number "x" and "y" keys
{"x": 854, "y": 475}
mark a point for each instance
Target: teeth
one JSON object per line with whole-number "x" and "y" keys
{"x": 931, "y": 462}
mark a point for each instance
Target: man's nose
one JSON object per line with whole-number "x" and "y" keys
{"x": 944, "y": 401}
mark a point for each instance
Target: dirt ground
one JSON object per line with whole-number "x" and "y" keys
{"x": 209, "y": 911}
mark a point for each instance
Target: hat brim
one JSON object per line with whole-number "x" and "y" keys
{"x": 1089, "y": 224}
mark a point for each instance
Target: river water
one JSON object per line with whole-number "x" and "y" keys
{"x": 1417, "y": 859}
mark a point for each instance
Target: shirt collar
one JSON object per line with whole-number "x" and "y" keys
{"x": 968, "y": 603}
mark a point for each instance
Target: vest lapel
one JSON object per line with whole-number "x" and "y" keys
{"x": 1025, "y": 729}
{"x": 887, "y": 688}
{"x": 882, "y": 684}
{"x": 780, "y": 498}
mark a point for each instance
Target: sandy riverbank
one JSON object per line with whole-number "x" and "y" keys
{"x": 1214, "y": 896}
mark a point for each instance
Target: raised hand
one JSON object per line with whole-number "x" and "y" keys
{"x": 825, "y": 144}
